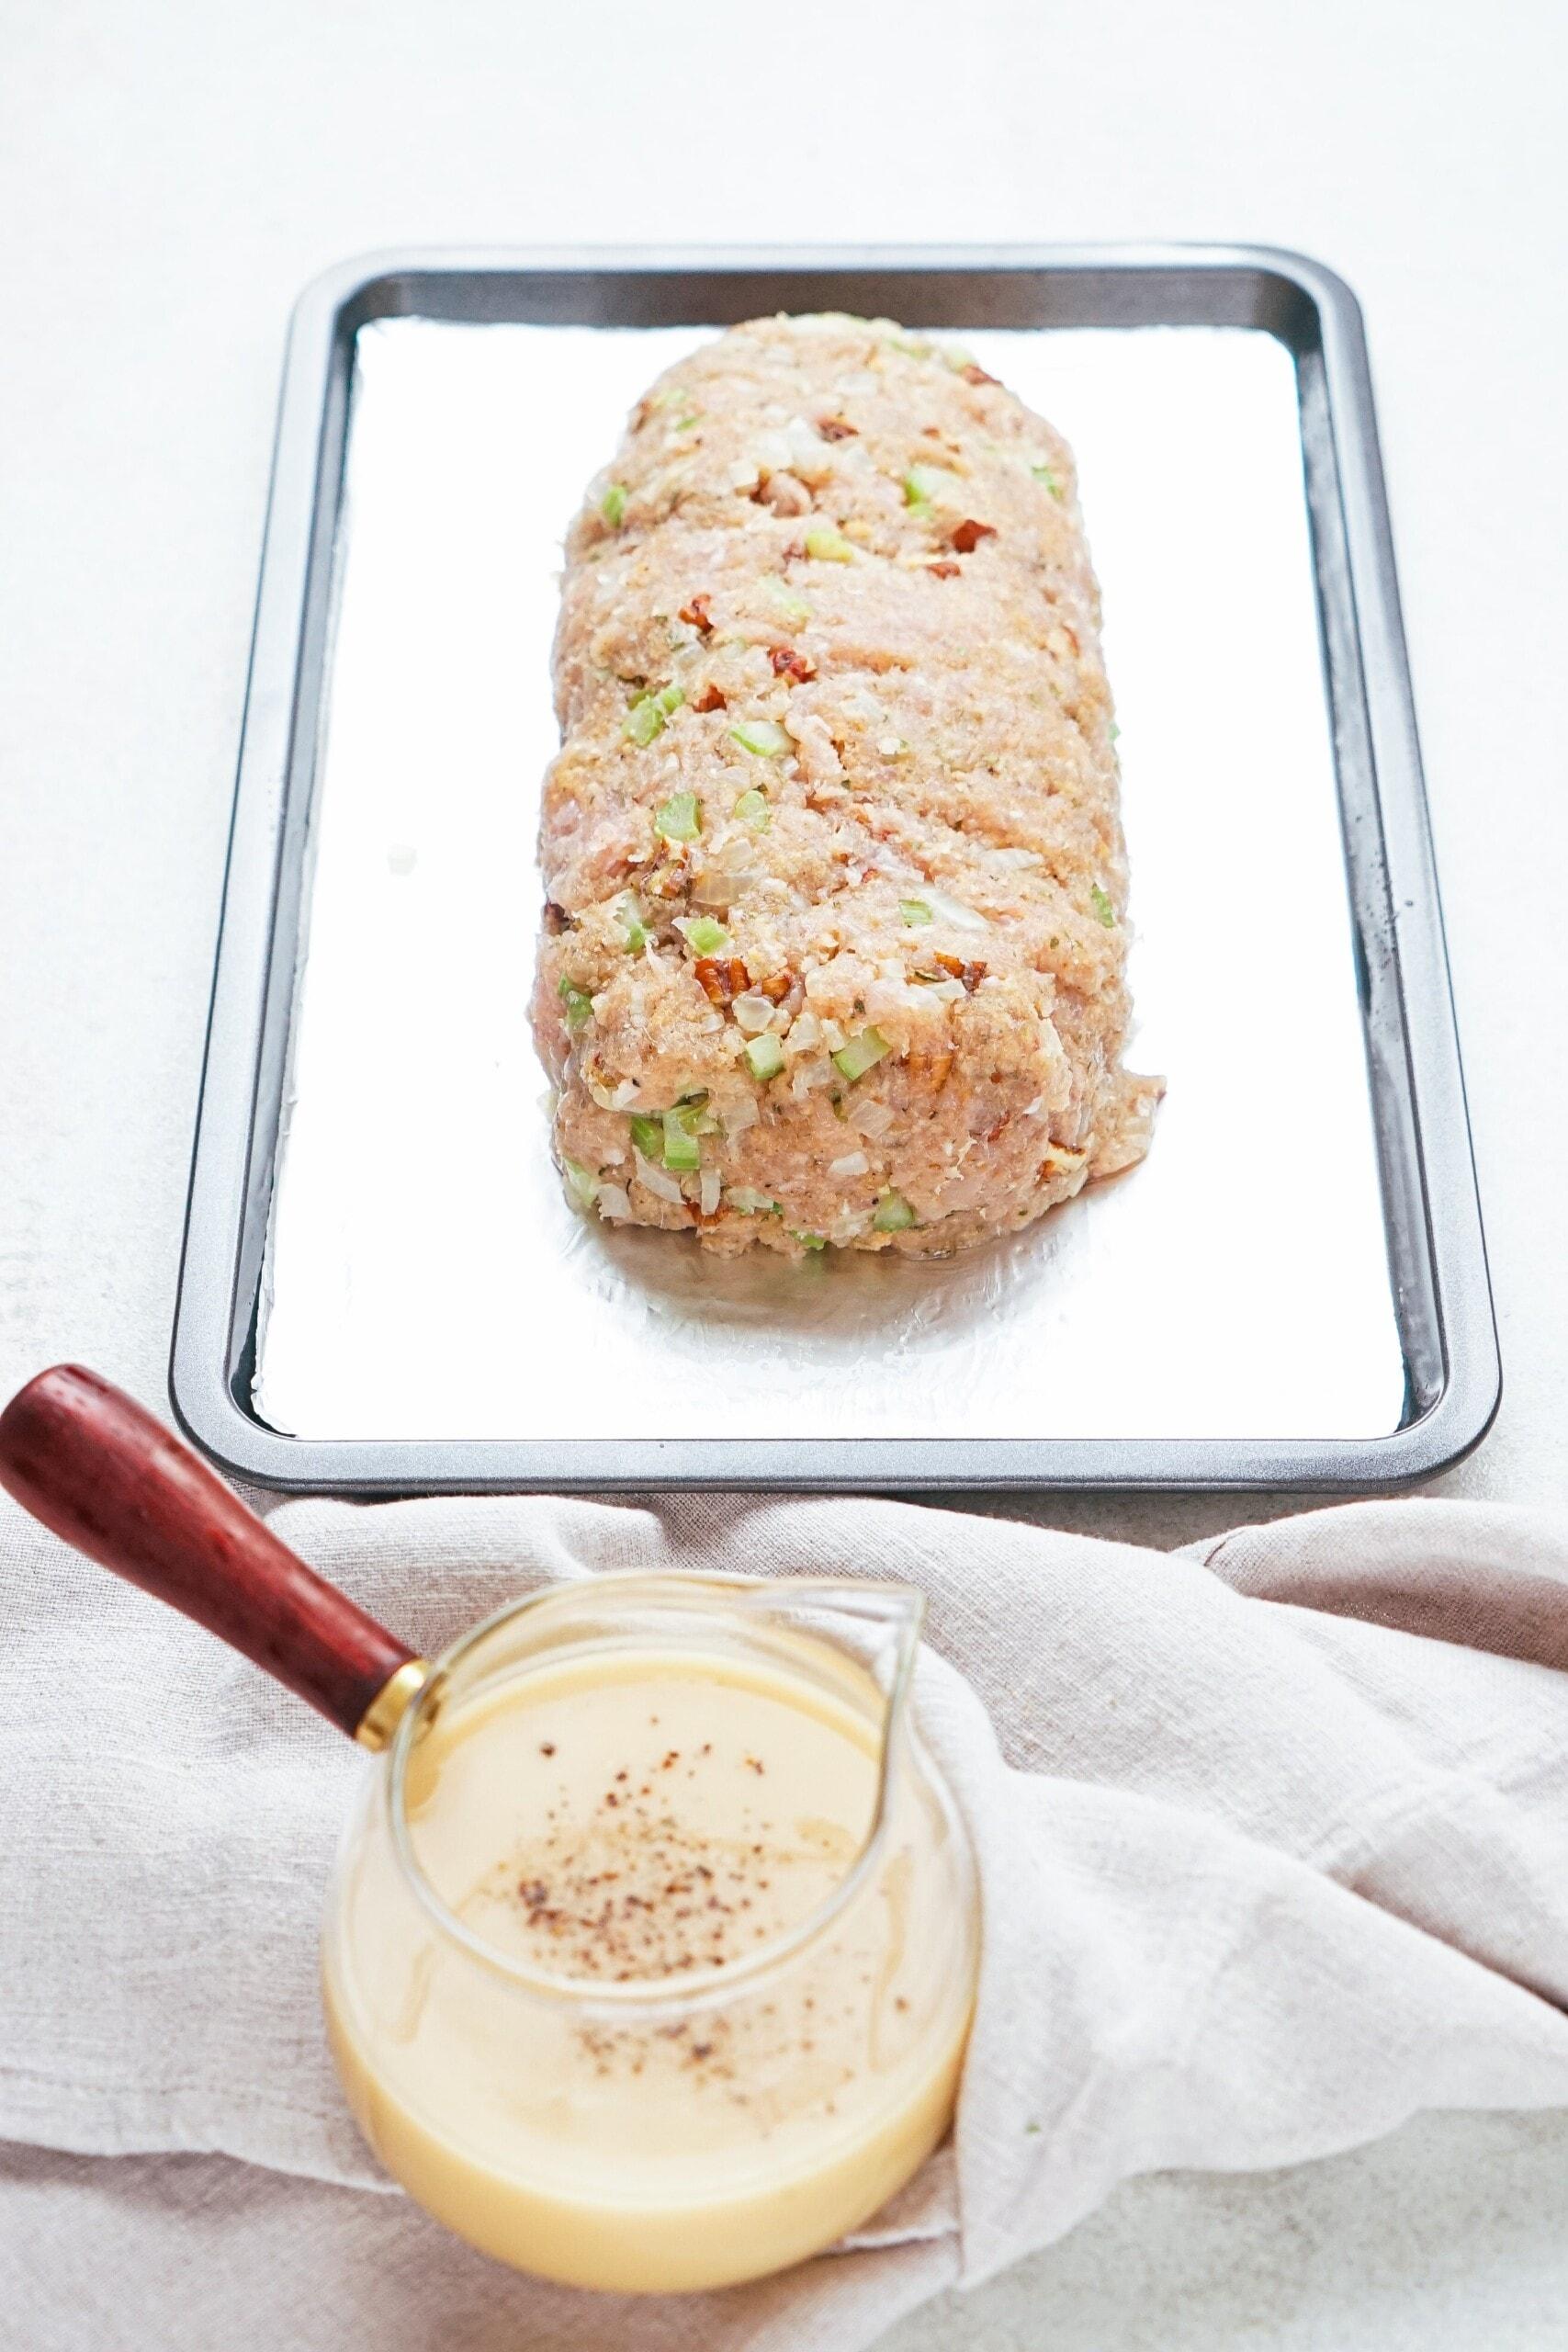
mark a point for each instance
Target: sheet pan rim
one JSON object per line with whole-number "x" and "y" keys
{"x": 216, "y": 1297}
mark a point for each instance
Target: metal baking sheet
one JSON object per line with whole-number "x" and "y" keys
{"x": 1272, "y": 1298}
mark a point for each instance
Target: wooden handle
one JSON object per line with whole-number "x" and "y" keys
{"x": 86, "y": 1460}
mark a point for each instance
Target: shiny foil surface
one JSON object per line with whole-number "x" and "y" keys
{"x": 425, "y": 1276}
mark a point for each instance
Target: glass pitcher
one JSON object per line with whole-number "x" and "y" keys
{"x": 651, "y": 1953}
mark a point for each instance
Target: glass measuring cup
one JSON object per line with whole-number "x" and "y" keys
{"x": 651, "y": 1955}
{"x": 650, "y": 1950}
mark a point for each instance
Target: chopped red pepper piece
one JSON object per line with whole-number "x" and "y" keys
{"x": 788, "y": 663}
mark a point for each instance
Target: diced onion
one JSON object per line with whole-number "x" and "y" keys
{"x": 628, "y": 916}
{"x": 754, "y": 1012}
{"x": 773, "y": 452}
{"x": 853, "y": 1163}
{"x": 662, "y": 1187}
{"x": 807, "y": 451}
{"x": 614, "y": 1201}
{"x": 709, "y": 1191}
{"x": 721, "y": 883}
{"x": 953, "y": 910}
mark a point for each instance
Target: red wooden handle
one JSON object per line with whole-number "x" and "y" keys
{"x": 83, "y": 1457}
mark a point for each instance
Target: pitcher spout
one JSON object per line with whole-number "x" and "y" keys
{"x": 875, "y": 1625}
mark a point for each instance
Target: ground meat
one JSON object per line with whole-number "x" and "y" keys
{"x": 861, "y": 910}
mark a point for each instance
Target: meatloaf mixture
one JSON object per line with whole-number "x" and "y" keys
{"x": 834, "y": 946}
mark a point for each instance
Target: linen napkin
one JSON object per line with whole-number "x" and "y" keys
{"x": 1273, "y": 1840}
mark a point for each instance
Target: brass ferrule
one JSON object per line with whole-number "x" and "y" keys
{"x": 391, "y": 1703}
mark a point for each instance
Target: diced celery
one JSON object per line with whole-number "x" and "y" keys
{"x": 1116, "y": 731}
{"x": 786, "y": 602}
{"x": 1103, "y": 908}
{"x": 763, "y": 736}
{"x": 923, "y": 485}
{"x": 581, "y": 1182}
{"x": 682, "y": 1149}
{"x": 685, "y": 423}
{"x": 649, "y": 1136}
{"x": 644, "y": 722}
{"x": 893, "y": 1214}
{"x": 915, "y": 910}
{"x": 810, "y": 1240}
{"x": 704, "y": 937}
{"x": 1044, "y": 474}
{"x": 677, "y": 819}
{"x": 764, "y": 1056}
{"x": 827, "y": 544}
{"x": 613, "y": 505}
{"x": 752, "y": 809}
{"x": 578, "y": 1005}
{"x": 860, "y": 1054}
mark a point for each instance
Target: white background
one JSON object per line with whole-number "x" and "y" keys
{"x": 169, "y": 175}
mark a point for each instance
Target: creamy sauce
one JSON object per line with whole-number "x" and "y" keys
{"x": 653, "y": 1820}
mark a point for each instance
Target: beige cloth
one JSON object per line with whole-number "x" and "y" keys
{"x": 1273, "y": 1840}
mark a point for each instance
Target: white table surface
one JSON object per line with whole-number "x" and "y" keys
{"x": 170, "y": 175}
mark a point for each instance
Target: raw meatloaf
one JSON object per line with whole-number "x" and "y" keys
{"x": 834, "y": 944}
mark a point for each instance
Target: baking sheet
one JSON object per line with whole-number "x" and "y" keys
{"x": 424, "y": 1276}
